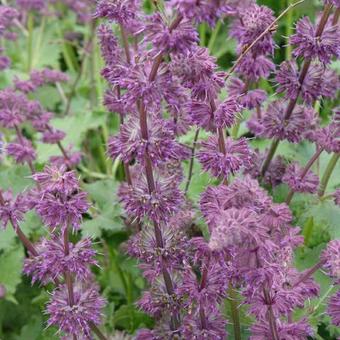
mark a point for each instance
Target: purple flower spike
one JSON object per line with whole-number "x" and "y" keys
{"x": 221, "y": 165}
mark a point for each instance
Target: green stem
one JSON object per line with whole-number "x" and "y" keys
{"x": 203, "y": 34}
{"x": 214, "y": 35}
{"x": 30, "y": 27}
{"x": 234, "y": 313}
{"x": 39, "y": 40}
{"x": 327, "y": 174}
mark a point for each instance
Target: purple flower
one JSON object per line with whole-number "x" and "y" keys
{"x": 293, "y": 177}
{"x": 226, "y": 113}
{"x": 328, "y": 137}
{"x": 235, "y": 227}
{"x": 333, "y": 308}
{"x": 158, "y": 206}
{"x": 221, "y": 165}
{"x": 52, "y": 261}
{"x": 144, "y": 247}
{"x": 335, "y": 3}
{"x": 253, "y": 21}
{"x": 110, "y": 49}
{"x": 57, "y": 180}
{"x": 72, "y": 159}
{"x": 197, "y": 71}
{"x": 215, "y": 327}
{"x": 204, "y": 10}
{"x": 21, "y": 150}
{"x": 294, "y": 331}
{"x": 337, "y": 196}
{"x": 331, "y": 257}
{"x": 248, "y": 99}
{"x": 62, "y": 210}
{"x": 122, "y": 11}
{"x": 160, "y": 146}
{"x": 53, "y": 136}
{"x": 201, "y": 114}
{"x": 254, "y": 68}
{"x": 312, "y": 87}
{"x": 13, "y": 108}
{"x": 75, "y": 319}
{"x": 47, "y": 76}
{"x": 31, "y": 5}
{"x": 164, "y": 39}
{"x": 275, "y": 124}
{"x": 214, "y": 289}
{"x": 12, "y": 210}
{"x": 309, "y": 45}
{"x": 5, "y": 62}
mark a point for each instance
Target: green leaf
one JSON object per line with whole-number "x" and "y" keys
{"x": 103, "y": 192}
{"x": 10, "y": 270}
{"x": 128, "y": 317}
{"x": 15, "y": 178}
{"x": 75, "y": 127}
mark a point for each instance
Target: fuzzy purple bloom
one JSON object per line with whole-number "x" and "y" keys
{"x": 75, "y": 319}
{"x": 12, "y": 210}
{"x": 53, "y": 136}
{"x": 221, "y": 165}
{"x": 52, "y": 261}
{"x": 254, "y": 68}
{"x": 62, "y": 210}
{"x": 309, "y": 183}
{"x": 275, "y": 124}
{"x": 158, "y": 206}
{"x": 337, "y": 197}
{"x": 179, "y": 40}
{"x": 253, "y": 21}
{"x": 226, "y": 113}
{"x": 161, "y": 145}
{"x": 21, "y": 150}
{"x": 201, "y": 114}
{"x": 310, "y": 46}
{"x": 13, "y": 108}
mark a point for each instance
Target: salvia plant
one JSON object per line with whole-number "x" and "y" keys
{"x": 170, "y": 169}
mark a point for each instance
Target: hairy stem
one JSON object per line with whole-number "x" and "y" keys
{"x": 327, "y": 174}
{"x": 314, "y": 158}
{"x": 308, "y": 273}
